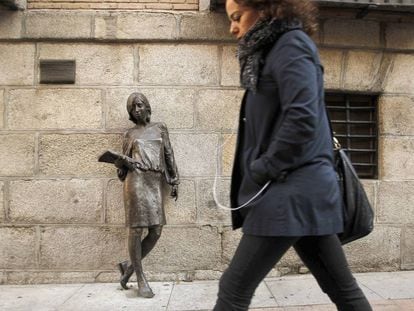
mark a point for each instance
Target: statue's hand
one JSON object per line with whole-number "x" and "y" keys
{"x": 141, "y": 166}
{"x": 122, "y": 173}
{"x": 174, "y": 192}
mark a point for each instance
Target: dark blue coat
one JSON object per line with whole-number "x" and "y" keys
{"x": 284, "y": 136}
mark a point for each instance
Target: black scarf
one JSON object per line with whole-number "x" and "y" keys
{"x": 256, "y": 43}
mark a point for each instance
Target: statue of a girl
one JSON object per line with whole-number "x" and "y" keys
{"x": 146, "y": 165}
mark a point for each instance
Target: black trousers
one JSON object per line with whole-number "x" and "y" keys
{"x": 257, "y": 255}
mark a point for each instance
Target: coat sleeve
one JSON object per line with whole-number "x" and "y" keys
{"x": 294, "y": 70}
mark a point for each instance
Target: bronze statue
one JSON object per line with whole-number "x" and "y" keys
{"x": 147, "y": 163}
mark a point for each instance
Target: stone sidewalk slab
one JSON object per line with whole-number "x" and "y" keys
{"x": 383, "y": 305}
{"x": 203, "y": 294}
{"x": 391, "y": 285}
{"x": 110, "y": 296}
{"x": 304, "y": 290}
{"x": 387, "y": 291}
{"x": 38, "y": 297}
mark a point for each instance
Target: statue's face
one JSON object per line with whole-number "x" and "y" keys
{"x": 139, "y": 110}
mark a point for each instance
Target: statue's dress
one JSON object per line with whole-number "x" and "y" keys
{"x": 143, "y": 190}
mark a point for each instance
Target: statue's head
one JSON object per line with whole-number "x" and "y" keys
{"x": 138, "y": 108}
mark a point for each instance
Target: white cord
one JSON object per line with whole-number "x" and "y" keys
{"x": 216, "y": 177}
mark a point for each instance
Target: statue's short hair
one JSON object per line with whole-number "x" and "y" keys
{"x": 141, "y": 97}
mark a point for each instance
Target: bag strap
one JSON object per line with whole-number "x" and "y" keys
{"x": 335, "y": 140}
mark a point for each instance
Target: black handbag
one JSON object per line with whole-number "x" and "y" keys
{"x": 358, "y": 212}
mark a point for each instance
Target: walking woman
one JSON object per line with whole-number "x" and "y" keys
{"x": 284, "y": 137}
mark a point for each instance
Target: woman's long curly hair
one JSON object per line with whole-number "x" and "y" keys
{"x": 303, "y": 10}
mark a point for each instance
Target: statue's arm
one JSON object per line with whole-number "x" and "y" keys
{"x": 170, "y": 163}
{"x": 122, "y": 170}
{"x": 171, "y": 173}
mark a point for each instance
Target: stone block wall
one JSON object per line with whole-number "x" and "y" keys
{"x": 177, "y": 5}
{"x": 61, "y": 213}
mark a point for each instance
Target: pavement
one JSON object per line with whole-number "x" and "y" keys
{"x": 387, "y": 291}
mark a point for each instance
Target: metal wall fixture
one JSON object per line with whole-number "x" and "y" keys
{"x": 355, "y": 123}
{"x": 57, "y": 71}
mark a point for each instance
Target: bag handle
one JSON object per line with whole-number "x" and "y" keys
{"x": 335, "y": 140}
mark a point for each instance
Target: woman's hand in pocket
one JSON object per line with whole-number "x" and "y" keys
{"x": 258, "y": 172}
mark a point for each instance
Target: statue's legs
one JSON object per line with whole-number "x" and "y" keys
{"x": 135, "y": 253}
{"x": 154, "y": 233}
{"x": 138, "y": 250}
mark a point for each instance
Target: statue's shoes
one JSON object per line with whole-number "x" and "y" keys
{"x": 145, "y": 292}
{"x": 125, "y": 273}
{"x": 123, "y": 281}
{"x": 122, "y": 267}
